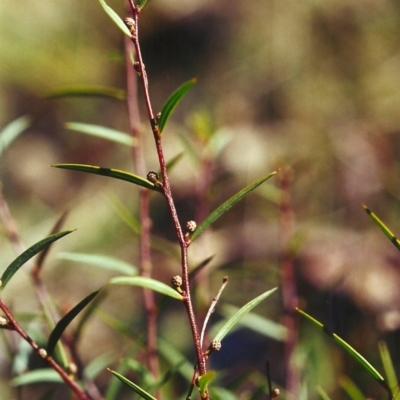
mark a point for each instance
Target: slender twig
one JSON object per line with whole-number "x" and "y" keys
{"x": 81, "y": 395}
{"x": 212, "y": 308}
{"x": 289, "y": 291}
{"x": 145, "y": 222}
{"x": 140, "y": 68}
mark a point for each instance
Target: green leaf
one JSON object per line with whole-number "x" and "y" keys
{"x": 388, "y": 367}
{"x": 97, "y": 260}
{"x": 383, "y": 227}
{"x": 27, "y": 255}
{"x": 116, "y": 18}
{"x": 147, "y": 283}
{"x": 103, "y": 133}
{"x": 322, "y": 394}
{"x": 173, "y": 101}
{"x": 204, "y": 381}
{"x": 223, "y": 208}
{"x": 85, "y": 91}
{"x": 111, "y": 172}
{"x": 239, "y": 314}
{"x": 141, "y": 4}
{"x": 351, "y": 388}
{"x": 257, "y": 323}
{"x": 141, "y": 392}
{"x": 36, "y": 376}
{"x": 98, "y": 365}
{"x": 65, "y": 321}
{"x": 350, "y": 350}
{"x": 12, "y": 131}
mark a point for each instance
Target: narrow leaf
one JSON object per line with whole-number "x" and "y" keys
{"x": 223, "y": 208}
{"x": 141, "y": 392}
{"x": 351, "y": 388}
{"x": 239, "y": 314}
{"x": 388, "y": 367}
{"x": 115, "y": 17}
{"x": 350, "y": 350}
{"x": 147, "y": 283}
{"x": 383, "y": 227}
{"x": 98, "y": 365}
{"x": 173, "y": 101}
{"x": 65, "y": 321}
{"x": 322, "y": 394}
{"x": 111, "y": 172}
{"x": 27, "y": 255}
{"x": 86, "y": 91}
{"x": 97, "y": 260}
{"x": 102, "y": 132}
{"x": 141, "y": 3}
{"x": 12, "y": 131}
{"x": 36, "y": 376}
{"x": 204, "y": 381}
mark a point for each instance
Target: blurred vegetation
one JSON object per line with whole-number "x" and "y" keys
{"x": 309, "y": 86}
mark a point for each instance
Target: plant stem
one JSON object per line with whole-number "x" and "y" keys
{"x": 140, "y": 68}
{"x": 145, "y": 222}
{"x": 81, "y": 395}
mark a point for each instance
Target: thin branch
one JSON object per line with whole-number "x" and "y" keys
{"x": 81, "y": 395}
{"x": 145, "y": 222}
{"x": 133, "y": 24}
{"x": 212, "y": 308}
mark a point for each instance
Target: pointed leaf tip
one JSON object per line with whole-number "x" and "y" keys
{"x": 65, "y": 321}
{"x": 27, "y": 255}
{"x": 223, "y": 208}
{"x": 173, "y": 101}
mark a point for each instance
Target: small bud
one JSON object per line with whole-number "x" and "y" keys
{"x": 215, "y": 345}
{"x": 42, "y": 353}
{"x": 275, "y": 393}
{"x": 130, "y": 23}
{"x": 152, "y": 177}
{"x": 3, "y": 321}
{"x": 191, "y": 226}
{"x": 176, "y": 281}
{"x": 158, "y": 116}
{"x": 136, "y": 66}
{"x": 72, "y": 368}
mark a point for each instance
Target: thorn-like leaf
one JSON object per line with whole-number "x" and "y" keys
{"x": 65, "y": 321}
{"x": 223, "y": 208}
{"x": 239, "y": 314}
{"x": 147, "y": 283}
{"x": 141, "y": 4}
{"x": 173, "y": 101}
{"x": 12, "y": 131}
{"x": 141, "y": 392}
{"x": 351, "y": 389}
{"x": 111, "y": 172}
{"x": 115, "y": 17}
{"x": 350, "y": 350}
{"x": 383, "y": 227}
{"x": 86, "y": 91}
{"x": 103, "y": 133}
{"x": 27, "y": 255}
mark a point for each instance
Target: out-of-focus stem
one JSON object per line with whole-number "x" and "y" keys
{"x": 289, "y": 290}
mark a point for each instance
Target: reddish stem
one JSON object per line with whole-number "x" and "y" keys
{"x": 201, "y": 361}
{"x": 145, "y": 222}
{"x": 81, "y": 395}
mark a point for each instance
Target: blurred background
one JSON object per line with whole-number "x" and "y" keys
{"x": 309, "y": 87}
